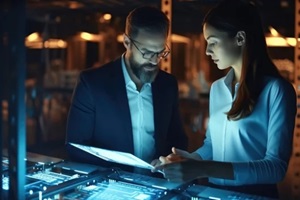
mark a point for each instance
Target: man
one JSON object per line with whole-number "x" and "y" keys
{"x": 129, "y": 104}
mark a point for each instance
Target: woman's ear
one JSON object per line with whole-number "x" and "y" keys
{"x": 240, "y": 38}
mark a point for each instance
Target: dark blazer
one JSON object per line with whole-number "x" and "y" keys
{"x": 99, "y": 115}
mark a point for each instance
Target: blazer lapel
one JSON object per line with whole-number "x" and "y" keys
{"x": 118, "y": 90}
{"x": 158, "y": 109}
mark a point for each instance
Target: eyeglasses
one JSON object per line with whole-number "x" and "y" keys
{"x": 149, "y": 55}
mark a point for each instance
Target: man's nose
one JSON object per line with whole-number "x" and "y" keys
{"x": 155, "y": 59}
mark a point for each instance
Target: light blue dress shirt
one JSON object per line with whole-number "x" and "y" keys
{"x": 142, "y": 118}
{"x": 260, "y": 145}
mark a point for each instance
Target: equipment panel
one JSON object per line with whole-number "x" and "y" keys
{"x": 69, "y": 180}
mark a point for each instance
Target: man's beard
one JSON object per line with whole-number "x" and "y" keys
{"x": 143, "y": 75}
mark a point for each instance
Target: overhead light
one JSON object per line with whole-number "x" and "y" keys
{"x": 179, "y": 39}
{"x": 48, "y": 44}
{"x": 291, "y": 41}
{"x": 90, "y": 36}
{"x": 273, "y": 41}
{"x": 34, "y": 41}
{"x": 281, "y": 41}
{"x": 55, "y": 43}
{"x": 33, "y": 37}
{"x": 75, "y": 5}
{"x": 120, "y": 38}
{"x": 273, "y": 31}
{"x": 107, "y": 17}
{"x": 86, "y": 36}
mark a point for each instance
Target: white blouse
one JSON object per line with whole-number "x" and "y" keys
{"x": 259, "y": 146}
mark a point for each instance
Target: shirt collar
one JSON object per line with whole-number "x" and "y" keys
{"x": 228, "y": 81}
{"x": 229, "y": 78}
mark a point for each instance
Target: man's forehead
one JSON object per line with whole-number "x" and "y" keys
{"x": 153, "y": 40}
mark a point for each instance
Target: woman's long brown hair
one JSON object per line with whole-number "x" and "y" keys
{"x": 231, "y": 16}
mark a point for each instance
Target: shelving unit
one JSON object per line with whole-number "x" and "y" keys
{"x": 296, "y": 150}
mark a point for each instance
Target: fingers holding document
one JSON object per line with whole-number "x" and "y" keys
{"x": 182, "y": 171}
{"x": 175, "y": 164}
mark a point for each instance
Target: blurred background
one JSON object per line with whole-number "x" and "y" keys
{"x": 63, "y": 37}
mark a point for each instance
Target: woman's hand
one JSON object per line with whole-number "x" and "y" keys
{"x": 187, "y": 170}
{"x": 183, "y": 171}
{"x": 176, "y": 156}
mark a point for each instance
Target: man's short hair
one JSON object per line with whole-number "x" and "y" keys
{"x": 148, "y": 19}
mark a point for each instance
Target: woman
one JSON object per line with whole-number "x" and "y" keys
{"x": 252, "y": 109}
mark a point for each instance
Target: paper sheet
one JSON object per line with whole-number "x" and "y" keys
{"x": 114, "y": 156}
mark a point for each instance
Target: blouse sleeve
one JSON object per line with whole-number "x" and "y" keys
{"x": 272, "y": 169}
{"x": 205, "y": 151}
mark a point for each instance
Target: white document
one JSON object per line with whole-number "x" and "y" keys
{"x": 114, "y": 156}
